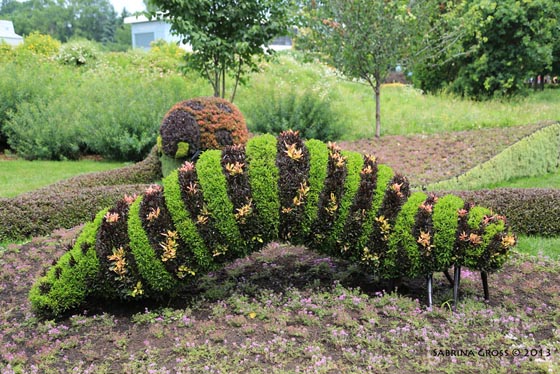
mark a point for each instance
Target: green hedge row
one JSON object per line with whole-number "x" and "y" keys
{"x": 537, "y": 154}
{"x": 232, "y": 202}
{"x": 70, "y": 202}
{"x": 532, "y": 211}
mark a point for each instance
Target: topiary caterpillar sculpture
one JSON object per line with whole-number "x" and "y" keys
{"x": 232, "y": 202}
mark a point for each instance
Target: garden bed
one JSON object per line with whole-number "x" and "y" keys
{"x": 286, "y": 309}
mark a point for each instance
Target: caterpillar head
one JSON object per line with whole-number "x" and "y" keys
{"x": 193, "y": 126}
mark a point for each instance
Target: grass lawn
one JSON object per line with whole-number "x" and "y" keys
{"x": 539, "y": 246}
{"x": 19, "y": 176}
{"x": 551, "y": 180}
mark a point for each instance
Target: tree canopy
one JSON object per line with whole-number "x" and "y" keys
{"x": 64, "y": 19}
{"x": 227, "y": 36}
{"x": 500, "y": 45}
{"x": 364, "y": 39}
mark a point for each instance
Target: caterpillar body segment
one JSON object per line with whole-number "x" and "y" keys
{"x": 233, "y": 202}
{"x": 67, "y": 284}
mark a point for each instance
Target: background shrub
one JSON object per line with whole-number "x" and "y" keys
{"x": 61, "y": 126}
{"x": 72, "y": 111}
{"x": 41, "y": 130}
{"x": 308, "y": 113}
{"x": 532, "y": 211}
{"x": 40, "y": 44}
{"x": 78, "y": 53}
{"x": 25, "y": 78}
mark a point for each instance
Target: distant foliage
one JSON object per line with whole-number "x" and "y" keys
{"x": 78, "y": 53}
{"x": 171, "y": 49}
{"x": 41, "y": 44}
{"x": 307, "y": 113}
{"x": 24, "y": 78}
{"x": 108, "y": 109}
{"x": 499, "y": 45}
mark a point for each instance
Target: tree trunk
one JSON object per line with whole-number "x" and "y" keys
{"x": 377, "y": 107}
{"x": 216, "y": 83}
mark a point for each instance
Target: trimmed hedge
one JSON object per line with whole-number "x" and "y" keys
{"x": 71, "y": 202}
{"x": 40, "y": 213}
{"x": 198, "y": 221}
{"x": 537, "y": 154}
{"x": 531, "y": 211}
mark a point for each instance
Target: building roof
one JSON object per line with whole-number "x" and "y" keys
{"x": 140, "y": 19}
{"x": 8, "y": 34}
{"x": 7, "y": 30}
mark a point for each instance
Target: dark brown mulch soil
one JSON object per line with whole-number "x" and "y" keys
{"x": 430, "y": 158}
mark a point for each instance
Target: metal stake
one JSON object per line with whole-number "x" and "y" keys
{"x": 448, "y": 276}
{"x": 484, "y": 276}
{"x": 457, "y": 280}
{"x": 430, "y": 293}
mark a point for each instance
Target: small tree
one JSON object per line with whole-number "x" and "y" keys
{"x": 227, "y": 36}
{"x": 366, "y": 38}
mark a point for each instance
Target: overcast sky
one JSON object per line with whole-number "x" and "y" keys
{"x": 130, "y": 5}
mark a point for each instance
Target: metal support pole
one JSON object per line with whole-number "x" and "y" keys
{"x": 430, "y": 293}
{"x": 484, "y": 276}
{"x": 448, "y": 276}
{"x": 457, "y": 280}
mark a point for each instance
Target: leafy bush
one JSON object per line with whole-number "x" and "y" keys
{"x": 307, "y": 113}
{"x": 6, "y": 51}
{"x": 44, "y": 45}
{"x": 23, "y": 79}
{"x": 42, "y": 130}
{"x": 171, "y": 49}
{"x": 532, "y": 211}
{"x": 534, "y": 155}
{"x": 145, "y": 249}
{"x": 78, "y": 53}
{"x": 62, "y": 126}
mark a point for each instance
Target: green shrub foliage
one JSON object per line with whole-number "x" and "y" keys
{"x": 308, "y": 113}
{"x": 233, "y": 201}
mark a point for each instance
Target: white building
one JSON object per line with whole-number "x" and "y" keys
{"x": 145, "y": 31}
{"x": 8, "y": 35}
